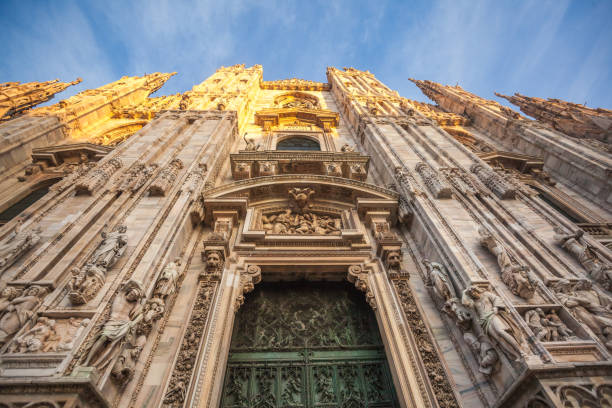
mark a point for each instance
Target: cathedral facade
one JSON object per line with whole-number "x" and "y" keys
{"x": 291, "y": 243}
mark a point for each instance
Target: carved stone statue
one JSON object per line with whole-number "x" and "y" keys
{"x": 20, "y": 310}
{"x": 111, "y": 248}
{"x": 573, "y": 243}
{"x": 87, "y": 281}
{"x": 125, "y": 365}
{"x": 439, "y": 280}
{"x": 6, "y": 297}
{"x": 485, "y": 353}
{"x": 458, "y": 312}
{"x": 536, "y": 320}
{"x": 250, "y": 145}
{"x": 125, "y": 314}
{"x": 166, "y": 283}
{"x": 557, "y": 330}
{"x": 495, "y": 320}
{"x": 515, "y": 276}
{"x": 587, "y": 306}
{"x": 302, "y": 223}
{"x": 17, "y": 244}
{"x": 347, "y": 148}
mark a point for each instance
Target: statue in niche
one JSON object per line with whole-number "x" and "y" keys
{"x": 111, "y": 248}
{"x": 515, "y": 276}
{"x": 587, "y": 306}
{"x": 166, "y": 283}
{"x": 125, "y": 314}
{"x": 17, "y": 243}
{"x": 20, "y": 310}
{"x": 485, "y": 353}
{"x": 439, "y": 280}
{"x": 495, "y": 320}
{"x": 42, "y": 337}
{"x": 575, "y": 244}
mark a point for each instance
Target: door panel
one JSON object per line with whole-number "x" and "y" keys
{"x": 307, "y": 345}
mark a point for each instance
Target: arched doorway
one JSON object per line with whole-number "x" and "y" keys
{"x": 307, "y": 345}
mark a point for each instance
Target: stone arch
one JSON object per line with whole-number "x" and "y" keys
{"x": 298, "y": 142}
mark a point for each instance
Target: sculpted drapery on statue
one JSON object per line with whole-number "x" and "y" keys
{"x": 495, "y": 320}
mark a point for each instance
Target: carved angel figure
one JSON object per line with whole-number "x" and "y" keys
{"x": 20, "y": 310}
{"x": 125, "y": 314}
{"x": 17, "y": 243}
{"x": 495, "y": 320}
{"x": 586, "y": 255}
{"x": 438, "y": 278}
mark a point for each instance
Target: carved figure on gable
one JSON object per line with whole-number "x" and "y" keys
{"x": 347, "y": 148}
{"x": 575, "y": 244}
{"x": 250, "y": 144}
{"x": 301, "y": 198}
{"x": 485, "y": 353}
{"x": 495, "y": 320}
{"x": 438, "y": 278}
{"x": 20, "y": 310}
{"x": 125, "y": 314}
{"x": 515, "y": 276}
{"x": 17, "y": 243}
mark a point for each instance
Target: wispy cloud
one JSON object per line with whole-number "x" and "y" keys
{"x": 543, "y": 48}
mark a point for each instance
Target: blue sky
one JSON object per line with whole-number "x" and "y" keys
{"x": 543, "y": 48}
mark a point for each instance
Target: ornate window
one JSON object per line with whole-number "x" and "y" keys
{"x": 298, "y": 143}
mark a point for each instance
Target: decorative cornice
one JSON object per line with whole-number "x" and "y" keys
{"x": 295, "y": 84}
